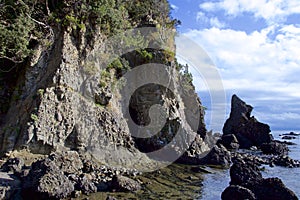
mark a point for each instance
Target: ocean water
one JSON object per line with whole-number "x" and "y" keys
{"x": 215, "y": 183}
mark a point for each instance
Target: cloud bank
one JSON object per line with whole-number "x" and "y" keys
{"x": 262, "y": 65}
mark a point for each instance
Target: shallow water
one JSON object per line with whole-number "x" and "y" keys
{"x": 289, "y": 176}
{"x": 173, "y": 182}
{"x": 214, "y": 184}
{"x": 179, "y": 182}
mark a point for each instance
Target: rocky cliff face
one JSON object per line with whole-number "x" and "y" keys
{"x": 69, "y": 97}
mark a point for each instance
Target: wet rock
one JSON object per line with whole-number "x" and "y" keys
{"x": 244, "y": 173}
{"x": 197, "y": 150}
{"x": 198, "y": 169}
{"x": 235, "y": 192}
{"x": 248, "y": 131}
{"x": 103, "y": 186}
{"x": 273, "y": 188}
{"x": 288, "y": 137}
{"x": 219, "y": 155}
{"x": 285, "y": 161}
{"x": 229, "y": 141}
{"x": 46, "y": 180}
{"x": 286, "y": 142}
{"x": 274, "y": 148}
{"x": 14, "y": 165}
{"x": 291, "y": 134}
{"x": 125, "y": 184}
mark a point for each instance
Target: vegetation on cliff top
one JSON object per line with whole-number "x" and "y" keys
{"x": 25, "y": 23}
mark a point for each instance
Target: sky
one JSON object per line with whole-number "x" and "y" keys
{"x": 255, "y": 46}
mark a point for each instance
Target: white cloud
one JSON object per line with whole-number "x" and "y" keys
{"x": 254, "y": 61}
{"x": 270, "y": 10}
{"x": 201, "y": 17}
{"x": 213, "y": 21}
{"x": 174, "y": 7}
{"x": 262, "y": 69}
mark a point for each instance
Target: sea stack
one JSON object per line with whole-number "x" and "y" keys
{"x": 246, "y": 128}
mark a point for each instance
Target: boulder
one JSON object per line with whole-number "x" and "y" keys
{"x": 248, "y": 131}
{"x": 273, "y": 188}
{"x": 285, "y": 161}
{"x": 219, "y": 155}
{"x": 68, "y": 161}
{"x": 287, "y": 137}
{"x": 247, "y": 183}
{"x": 292, "y": 134}
{"x": 46, "y": 180}
{"x": 235, "y": 192}
{"x": 274, "y": 148}
{"x": 229, "y": 141}
{"x": 125, "y": 184}
{"x": 244, "y": 173}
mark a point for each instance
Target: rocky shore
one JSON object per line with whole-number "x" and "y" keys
{"x": 84, "y": 88}
{"x": 68, "y": 174}
{"x": 257, "y": 148}
{"x": 61, "y": 175}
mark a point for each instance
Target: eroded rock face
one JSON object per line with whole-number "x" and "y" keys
{"x": 248, "y": 131}
{"x": 64, "y": 107}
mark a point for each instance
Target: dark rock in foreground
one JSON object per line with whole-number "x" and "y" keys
{"x": 46, "y": 180}
{"x": 244, "y": 173}
{"x": 236, "y": 192}
{"x": 125, "y": 184}
{"x": 246, "y": 180}
{"x": 229, "y": 141}
{"x": 287, "y": 137}
{"x": 219, "y": 155}
{"x": 248, "y": 131}
{"x": 273, "y": 188}
{"x": 285, "y": 161}
{"x": 274, "y": 148}
{"x": 291, "y": 134}
{"x": 62, "y": 175}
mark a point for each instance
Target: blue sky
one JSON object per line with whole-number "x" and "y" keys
{"x": 255, "y": 46}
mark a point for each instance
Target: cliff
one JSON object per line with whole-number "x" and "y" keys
{"x": 102, "y": 85}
